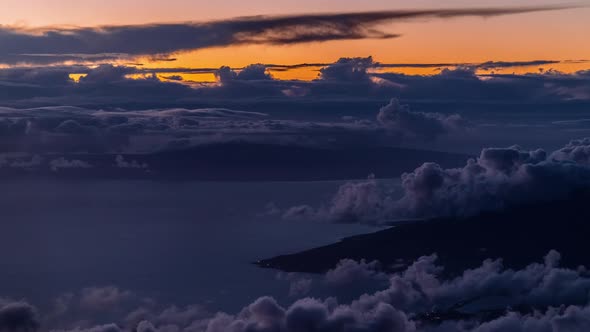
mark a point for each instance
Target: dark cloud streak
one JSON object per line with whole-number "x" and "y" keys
{"x": 57, "y": 44}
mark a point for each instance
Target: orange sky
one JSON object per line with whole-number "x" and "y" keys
{"x": 556, "y": 35}
{"x": 509, "y": 38}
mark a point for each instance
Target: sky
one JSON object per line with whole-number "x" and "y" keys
{"x": 551, "y": 35}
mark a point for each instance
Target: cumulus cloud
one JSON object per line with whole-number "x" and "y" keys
{"x": 577, "y": 151}
{"x": 92, "y": 307}
{"x": 419, "y": 298}
{"x": 18, "y": 317}
{"x": 310, "y": 315}
{"x": 98, "y": 328}
{"x": 254, "y": 72}
{"x": 499, "y": 178}
{"x": 348, "y": 272}
{"x": 299, "y": 285}
{"x": 348, "y": 70}
{"x": 399, "y": 118}
{"x": 364, "y": 199}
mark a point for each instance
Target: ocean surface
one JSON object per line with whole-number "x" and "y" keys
{"x": 181, "y": 243}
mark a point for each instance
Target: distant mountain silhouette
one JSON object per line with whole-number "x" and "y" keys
{"x": 263, "y": 162}
{"x": 247, "y": 162}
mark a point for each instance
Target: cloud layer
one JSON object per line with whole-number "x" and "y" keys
{"x": 540, "y": 297}
{"x": 49, "y": 129}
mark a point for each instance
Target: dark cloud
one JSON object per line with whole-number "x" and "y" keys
{"x": 101, "y": 298}
{"x": 348, "y": 69}
{"x": 490, "y": 65}
{"x": 46, "y": 45}
{"x": 274, "y": 67}
{"x": 417, "y": 298}
{"x": 348, "y": 79}
{"x": 399, "y": 118}
{"x": 255, "y": 72}
{"x": 299, "y": 285}
{"x": 499, "y": 178}
{"x": 73, "y": 129}
{"x": 349, "y": 272}
{"x": 18, "y": 317}
{"x": 309, "y": 315}
{"x": 174, "y": 78}
{"x": 464, "y": 84}
{"x": 356, "y": 69}
{"x": 99, "y": 328}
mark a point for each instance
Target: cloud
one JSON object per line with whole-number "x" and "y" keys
{"x": 254, "y": 72}
{"x": 145, "y": 326}
{"x": 301, "y": 212}
{"x": 499, "y": 178}
{"x": 420, "y": 289}
{"x": 308, "y": 315}
{"x": 120, "y": 162}
{"x": 110, "y": 111}
{"x": 419, "y": 298}
{"x": 125, "y": 309}
{"x": 347, "y": 80}
{"x": 349, "y": 272}
{"x": 399, "y": 118}
{"x": 27, "y": 163}
{"x": 362, "y": 201}
{"x": 98, "y": 328}
{"x": 60, "y": 44}
{"x": 465, "y": 85}
{"x": 101, "y": 298}
{"x": 68, "y": 129}
{"x": 61, "y": 163}
{"x": 18, "y": 317}
{"x": 174, "y": 73}
{"x": 491, "y": 65}
{"x": 568, "y": 319}
{"x": 348, "y": 69}
{"x": 577, "y": 151}
{"x": 299, "y": 285}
